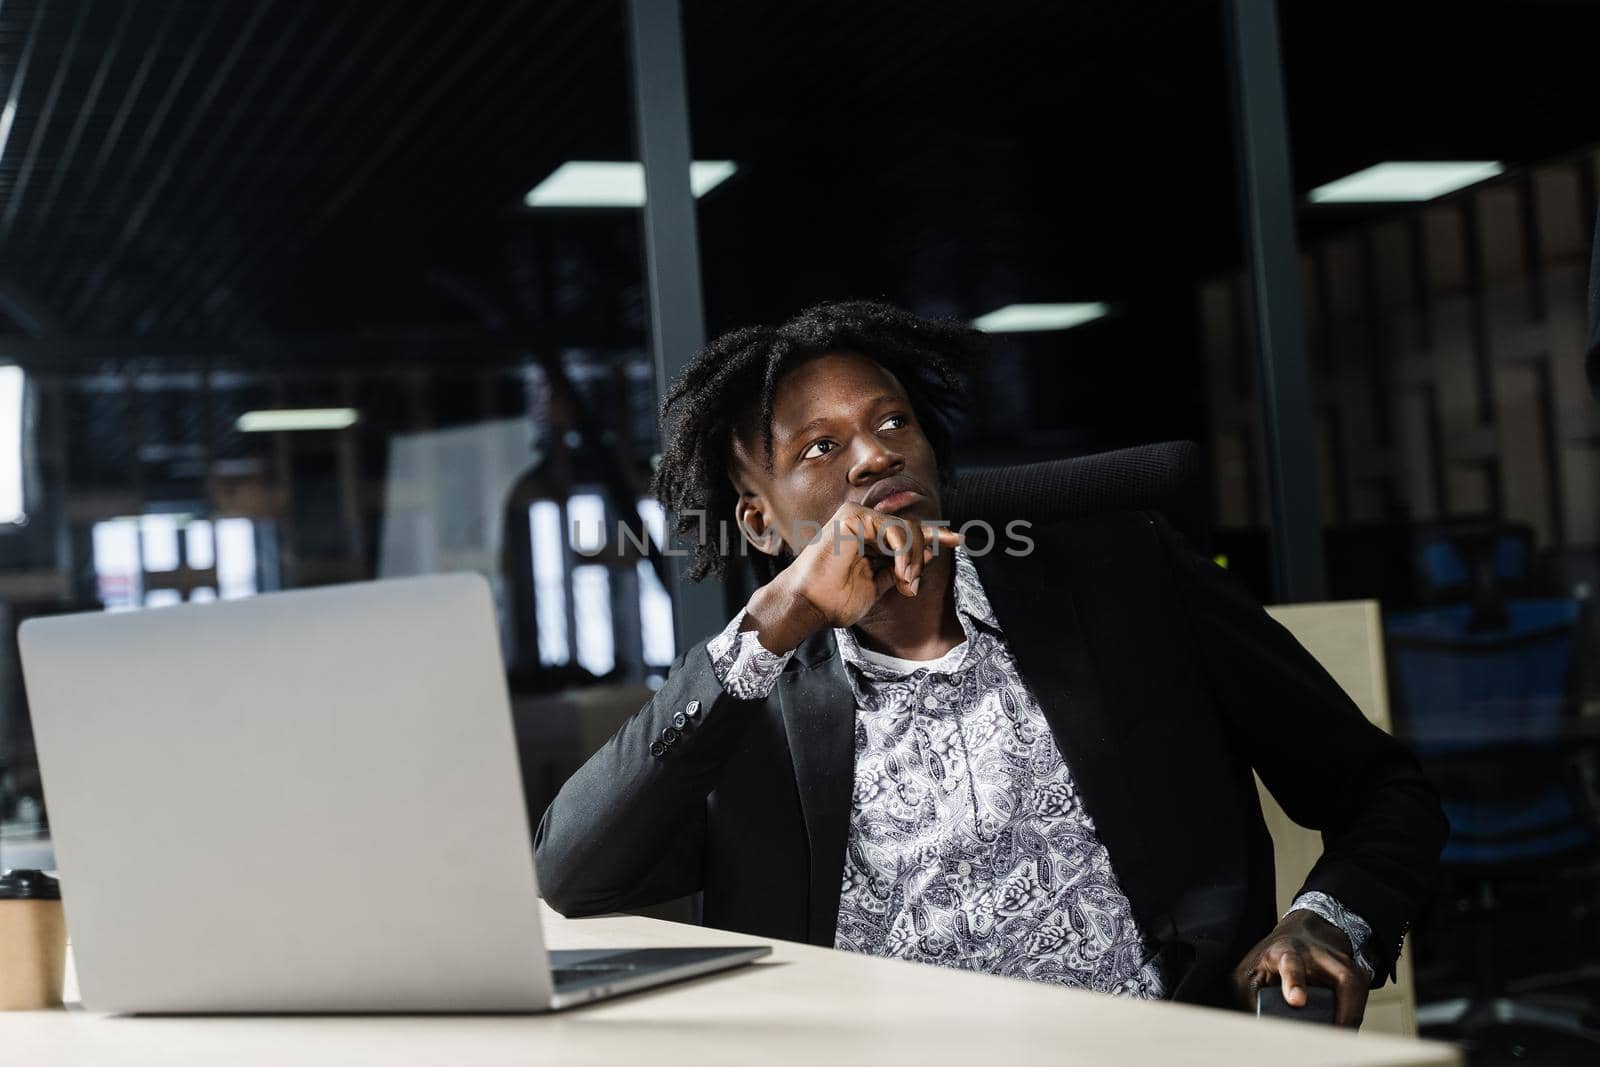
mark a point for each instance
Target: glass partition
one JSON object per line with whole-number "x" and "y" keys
{"x": 287, "y": 301}
{"x": 1446, "y": 166}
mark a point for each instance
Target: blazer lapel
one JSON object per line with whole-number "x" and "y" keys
{"x": 1039, "y": 615}
{"x": 819, "y": 718}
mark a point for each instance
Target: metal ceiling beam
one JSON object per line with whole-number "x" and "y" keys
{"x": 356, "y": 178}
{"x": 8, "y": 115}
{"x": 26, "y": 312}
{"x": 339, "y": 148}
{"x": 401, "y": 133}
{"x": 86, "y": 111}
{"x": 189, "y": 268}
{"x": 58, "y": 251}
{"x": 175, "y": 154}
{"x": 41, "y": 126}
{"x": 489, "y": 127}
{"x": 443, "y": 350}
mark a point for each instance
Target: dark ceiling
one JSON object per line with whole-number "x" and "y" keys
{"x": 294, "y": 168}
{"x": 1511, "y": 80}
{"x": 231, "y": 168}
{"x": 965, "y": 159}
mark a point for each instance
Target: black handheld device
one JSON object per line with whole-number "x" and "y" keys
{"x": 1318, "y": 1007}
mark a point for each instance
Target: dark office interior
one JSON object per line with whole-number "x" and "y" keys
{"x": 210, "y": 211}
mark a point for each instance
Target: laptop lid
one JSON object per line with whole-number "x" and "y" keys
{"x": 305, "y": 801}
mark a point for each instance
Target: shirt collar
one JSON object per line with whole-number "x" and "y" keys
{"x": 973, "y": 612}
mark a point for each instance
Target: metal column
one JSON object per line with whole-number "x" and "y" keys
{"x": 1268, "y": 201}
{"x": 677, "y": 317}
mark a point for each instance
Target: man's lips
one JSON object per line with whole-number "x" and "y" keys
{"x": 897, "y": 500}
{"x": 889, "y": 489}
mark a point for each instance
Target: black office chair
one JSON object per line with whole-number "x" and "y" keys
{"x": 1162, "y": 477}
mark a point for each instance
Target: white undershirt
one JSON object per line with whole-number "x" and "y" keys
{"x": 906, "y": 666}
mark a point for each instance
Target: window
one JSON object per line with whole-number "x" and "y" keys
{"x": 594, "y": 604}
{"x": 164, "y": 558}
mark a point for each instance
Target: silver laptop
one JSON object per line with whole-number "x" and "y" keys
{"x": 303, "y": 802}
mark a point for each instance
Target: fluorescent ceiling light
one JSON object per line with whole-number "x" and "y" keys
{"x": 297, "y": 419}
{"x": 11, "y": 446}
{"x": 1023, "y": 318}
{"x": 616, "y": 184}
{"x": 1389, "y": 183}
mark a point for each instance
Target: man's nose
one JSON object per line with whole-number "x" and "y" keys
{"x": 873, "y": 460}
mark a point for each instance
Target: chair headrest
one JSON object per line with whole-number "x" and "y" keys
{"x": 1161, "y": 477}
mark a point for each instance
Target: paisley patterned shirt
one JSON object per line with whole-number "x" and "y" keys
{"x": 968, "y": 845}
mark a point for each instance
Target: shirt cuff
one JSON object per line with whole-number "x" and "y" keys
{"x": 1353, "y": 925}
{"x": 746, "y": 669}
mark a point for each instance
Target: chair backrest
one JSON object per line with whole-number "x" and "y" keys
{"x": 1347, "y": 639}
{"x": 1162, "y": 477}
{"x": 1460, "y": 688}
{"x": 1482, "y": 560}
{"x": 1485, "y": 709}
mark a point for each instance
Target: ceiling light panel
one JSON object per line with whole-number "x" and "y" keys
{"x": 1396, "y": 183}
{"x": 1031, "y": 318}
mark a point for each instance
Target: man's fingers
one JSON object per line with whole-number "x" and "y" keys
{"x": 912, "y": 559}
{"x": 882, "y": 534}
{"x": 1349, "y": 985}
{"x": 1299, "y": 962}
{"x": 888, "y": 534}
{"x": 901, "y": 548}
{"x": 882, "y": 579}
{"x": 898, "y": 539}
{"x": 1246, "y": 982}
{"x": 1292, "y": 976}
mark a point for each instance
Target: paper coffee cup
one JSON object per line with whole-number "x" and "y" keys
{"x": 33, "y": 941}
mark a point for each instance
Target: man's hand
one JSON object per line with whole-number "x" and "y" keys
{"x": 1305, "y": 949}
{"x": 836, "y": 579}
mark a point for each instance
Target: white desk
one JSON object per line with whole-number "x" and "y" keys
{"x": 802, "y": 1005}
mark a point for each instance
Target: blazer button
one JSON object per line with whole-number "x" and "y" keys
{"x": 657, "y": 749}
{"x": 670, "y": 736}
{"x": 680, "y": 720}
{"x": 692, "y": 708}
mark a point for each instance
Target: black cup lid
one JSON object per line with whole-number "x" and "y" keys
{"x": 28, "y": 885}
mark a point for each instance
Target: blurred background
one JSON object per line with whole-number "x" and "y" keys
{"x": 295, "y": 293}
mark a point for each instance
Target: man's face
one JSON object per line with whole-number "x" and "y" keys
{"x": 842, "y": 430}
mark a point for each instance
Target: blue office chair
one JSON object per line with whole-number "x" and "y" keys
{"x": 1464, "y": 693}
{"x": 1483, "y": 695}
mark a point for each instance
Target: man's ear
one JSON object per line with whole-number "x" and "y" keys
{"x": 756, "y": 527}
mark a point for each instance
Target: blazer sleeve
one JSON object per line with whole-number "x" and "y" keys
{"x": 1329, "y": 767}
{"x": 628, "y": 829}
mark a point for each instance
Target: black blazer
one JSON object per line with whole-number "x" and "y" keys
{"x": 1164, "y": 686}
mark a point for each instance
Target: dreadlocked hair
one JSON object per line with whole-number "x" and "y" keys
{"x": 715, "y": 392}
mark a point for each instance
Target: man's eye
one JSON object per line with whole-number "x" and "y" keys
{"x": 898, "y": 420}
{"x": 812, "y": 451}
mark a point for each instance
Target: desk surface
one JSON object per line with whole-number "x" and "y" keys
{"x": 801, "y": 1005}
